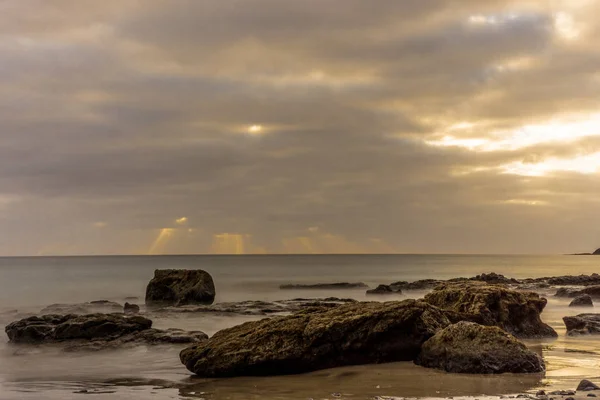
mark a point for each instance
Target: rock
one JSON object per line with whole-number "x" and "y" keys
{"x": 563, "y": 393}
{"x": 585, "y": 300}
{"x": 257, "y": 307}
{"x": 422, "y": 284}
{"x": 350, "y": 334}
{"x": 540, "y": 393}
{"x": 516, "y": 312}
{"x": 567, "y": 280}
{"x": 586, "y": 385}
{"x": 131, "y": 308}
{"x": 384, "y": 289}
{"x": 470, "y": 348}
{"x": 592, "y": 291}
{"x": 495, "y": 278}
{"x": 95, "y": 331}
{"x": 98, "y": 306}
{"x": 596, "y": 253}
{"x": 339, "y": 285}
{"x": 591, "y": 395}
{"x": 57, "y": 328}
{"x": 583, "y": 324}
{"x": 180, "y": 287}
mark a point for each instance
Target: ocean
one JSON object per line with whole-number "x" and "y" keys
{"x": 28, "y": 284}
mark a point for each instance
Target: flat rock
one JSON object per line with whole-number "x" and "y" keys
{"x": 516, "y": 312}
{"x": 94, "y": 331}
{"x": 351, "y": 334}
{"x": 585, "y": 300}
{"x": 423, "y": 284}
{"x": 91, "y": 307}
{"x": 337, "y": 285}
{"x": 180, "y": 287}
{"x": 384, "y": 289}
{"x": 583, "y": 324}
{"x": 258, "y": 307}
{"x": 470, "y": 348}
{"x": 592, "y": 291}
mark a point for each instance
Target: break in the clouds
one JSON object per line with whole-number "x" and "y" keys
{"x": 316, "y": 126}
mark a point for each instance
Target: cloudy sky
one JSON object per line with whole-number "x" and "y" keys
{"x": 305, "y": 126}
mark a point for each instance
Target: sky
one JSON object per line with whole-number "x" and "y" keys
{"x": 313, "y": 126}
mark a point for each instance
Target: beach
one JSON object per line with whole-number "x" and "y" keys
{"x": 156, "y": 372}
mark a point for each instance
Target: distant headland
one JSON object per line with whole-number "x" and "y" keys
{"x": 596, "y": 253}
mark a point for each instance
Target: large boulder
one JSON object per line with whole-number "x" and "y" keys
{"x": 585, "y": 300}
{"x": 597, "y": 252}
{"x": 516, "y": 312}
{"x": 470, "y": 348}
{"x": 350, "y": 334}
{"x": 180, "y": 287}
{"x": 583, "y": 324}
{"x": 95, "y": 331}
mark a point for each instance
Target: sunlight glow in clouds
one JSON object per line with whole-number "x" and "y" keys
{"x": 564, "y": 131}
{"x": 588, "y": 164}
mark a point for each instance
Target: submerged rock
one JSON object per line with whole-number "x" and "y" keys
{"x": 585, "y": 300}
{"x": 422, "y": 284}
{"x": 592, "y": 291}
{"x": 338, "y": 285}
{"x": 258, "y": 307}
{"x": 351, "y": 334}
{"x": 94, "y": 331}
{"x": 470, "y": 348}
{"x": 131, "y": 308}
{"x": 516, "y": 312}
{"x": 91, "y": 307}
{"x": 583, "y": 324}
{"x": 180, "y": 287}
{"x": 384, "y": 289}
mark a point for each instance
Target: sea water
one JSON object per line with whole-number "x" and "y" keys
{"x": 29, "y": 284}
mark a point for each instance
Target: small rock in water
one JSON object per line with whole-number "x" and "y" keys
{"x": 585, "y": 300}
{"x": 541, "y": 393}
{"x": 586, "y": 385}
{"x": 569, "y": 398}
{"x": 591, "y": 395}
{"x": 129, "y": 308}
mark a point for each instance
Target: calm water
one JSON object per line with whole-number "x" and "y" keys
{"x": 29, "y": 284}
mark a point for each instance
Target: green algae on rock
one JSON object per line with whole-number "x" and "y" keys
{"x": 351, "y": 334}
{"x": 471, "y": 348}
{"x": 495, "y": 305}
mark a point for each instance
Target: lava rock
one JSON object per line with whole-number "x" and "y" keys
{"x": 470, "y": 348}
{"x": 350, "y": 334}
{"x": 585, "y": 300}
{"x": 516, "y": 312}
{"x": 180, "y": 287}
